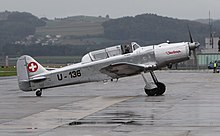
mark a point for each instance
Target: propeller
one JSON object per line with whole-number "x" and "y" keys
{"x": 192, "y": 46}
{"x": 190, "y": 35}
{"x": 195, "y": 56}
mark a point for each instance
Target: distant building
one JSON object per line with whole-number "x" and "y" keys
{"x": 210, "y": 53}
{"x": 211, "y": 45}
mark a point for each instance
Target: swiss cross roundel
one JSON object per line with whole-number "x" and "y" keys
{"x": 32, "y": 67}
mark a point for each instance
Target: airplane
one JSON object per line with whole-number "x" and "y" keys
{"x": 106, "y": 64}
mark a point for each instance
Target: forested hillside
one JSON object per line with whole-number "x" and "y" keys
{"x": 151, "y": 28}
{"x": 73, "y": 36}
{"x": 216, "y": 25}
{"x": 17, "y": 25}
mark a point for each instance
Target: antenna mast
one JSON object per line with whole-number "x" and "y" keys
{"x": 210, "y": 30}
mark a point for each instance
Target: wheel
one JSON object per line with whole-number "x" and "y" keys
{"x": 170, "y": 65}
{"x": 39, "y": 93}
{"x": 161, "y": 88}
{"x": 150, "y": 92}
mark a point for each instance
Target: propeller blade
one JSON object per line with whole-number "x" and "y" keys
{"x": 190, "y": 35}
{"x": 195, "y": 56}
{"x": 192, "y": 47}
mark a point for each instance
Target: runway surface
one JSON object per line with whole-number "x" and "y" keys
{"x": 190, "y": 107}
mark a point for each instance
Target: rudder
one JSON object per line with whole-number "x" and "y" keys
{"x": 27, "y": 67}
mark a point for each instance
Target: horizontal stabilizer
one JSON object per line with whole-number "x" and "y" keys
{"x": 49, "y": 69}
{"x": 37, "y": 79}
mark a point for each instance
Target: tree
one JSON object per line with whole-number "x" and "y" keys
{"x": 107, "y": 16}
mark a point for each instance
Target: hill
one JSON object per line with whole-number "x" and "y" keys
{"x": 145, "y": 29}
{"x": 17, "y": 25}
{"x": 90, "y": 33}
{"x": 215, "y": 23}
{"x": 151, "y": 28}
{"x": 76, "y": 30}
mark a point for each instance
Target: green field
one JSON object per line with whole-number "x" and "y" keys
{"x": 78, "y": 30}
{"x": 81, "y": 29}
{"x": 77, "y": 26}
{"x": 9, "y": 71}
{"x": 46, "y": 61}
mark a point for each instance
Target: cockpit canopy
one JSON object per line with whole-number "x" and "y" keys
{"x": 110, "y": 52}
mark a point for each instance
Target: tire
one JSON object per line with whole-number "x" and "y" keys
{"x": 151, "y": 92}
{"x": 161, "y": 88}
{"x": 38, "y": 93}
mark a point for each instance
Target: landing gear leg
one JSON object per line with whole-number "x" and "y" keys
{"x": 39, "y": 92}
{"x": 154, "y": 89}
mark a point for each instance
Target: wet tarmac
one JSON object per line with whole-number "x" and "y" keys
{"x": 190, "y": 107}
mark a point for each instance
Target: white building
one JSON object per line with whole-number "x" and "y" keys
{"x": 211, "y": 45}
{"x": 210, "y": 53}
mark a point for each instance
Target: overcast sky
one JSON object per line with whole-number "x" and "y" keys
{"x": 182, "y": 9}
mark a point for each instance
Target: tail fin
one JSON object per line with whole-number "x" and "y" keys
{"x": 27, "y": 67}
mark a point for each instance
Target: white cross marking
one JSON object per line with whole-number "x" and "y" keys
{"x": 32, "y": 67}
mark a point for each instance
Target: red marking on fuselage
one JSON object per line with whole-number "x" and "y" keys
{"x": 173, "y": 52}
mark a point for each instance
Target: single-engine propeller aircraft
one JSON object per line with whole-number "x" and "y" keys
{"x": 109, "y": 63}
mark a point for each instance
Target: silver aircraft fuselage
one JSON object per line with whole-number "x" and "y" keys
{"x": 156, "y": 56}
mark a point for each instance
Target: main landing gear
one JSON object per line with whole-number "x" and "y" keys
{"x": 154, "y": 89}
{"x": 39, "y": 92}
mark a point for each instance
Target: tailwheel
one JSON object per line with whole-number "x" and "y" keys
{"x": 39, "y": 92}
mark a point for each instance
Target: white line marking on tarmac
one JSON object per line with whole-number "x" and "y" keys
{"x": 59, "y": 116}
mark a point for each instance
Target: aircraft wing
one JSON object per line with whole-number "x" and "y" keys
{"x": 123, "y": 69}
